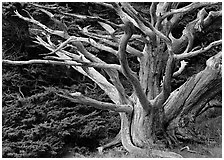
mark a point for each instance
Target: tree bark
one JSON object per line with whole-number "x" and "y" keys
{"x": 182, "y": 106}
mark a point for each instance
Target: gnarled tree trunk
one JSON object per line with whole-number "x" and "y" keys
{"x": 184, "y": 104}
{"x": 153, "y": 111}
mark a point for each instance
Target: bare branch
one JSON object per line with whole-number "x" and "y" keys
{"x": 197, "y": 52}
{"x": 85, "y": 17}
{"x": 91, "y": 18}
{"x": 105, "y": 4}
{"x": 80, "y": 47}
{"x": 123, "y": 16}
{"x": 67, "y": 62}
{"x": 57, "y": 22}
{"x": 113, "y": 74}
{"x": 32, "y": 20}
{"x": 65, "y": 35}
{"x": 87, "y": 40}
{"x": 153, "y": 13}
{"x": 107, "y": 27}
{"x": 187, "y": 8}
{"x": 44, "y": 7}
{"x": 187, "y": 37}
{"x": 139, "y": 19}
{"x": 181, "y": 69}
{"x": 130, "y": 49}
{"x": 128, "y": 28}
{"x": 90, "y": 72}
{"x": 79, "y": 98}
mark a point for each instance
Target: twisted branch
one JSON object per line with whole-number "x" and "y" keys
{"x": 128, "y": 31}
{"x": 139, "y": 20}
{"x": 187, "y": 8}
{"x": 197, "y": 52}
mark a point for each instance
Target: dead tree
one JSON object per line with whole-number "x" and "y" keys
{"x": 153, "y": 108}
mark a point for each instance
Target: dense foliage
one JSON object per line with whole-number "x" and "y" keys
{"x": 38, "y": 123}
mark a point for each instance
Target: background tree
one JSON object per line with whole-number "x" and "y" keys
{"x": 153, "y": 110}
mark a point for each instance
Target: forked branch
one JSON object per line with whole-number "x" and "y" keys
{"x": 32, "y": 20}
{"x": 137, "y": 17}
{"x": 90, "y": 72}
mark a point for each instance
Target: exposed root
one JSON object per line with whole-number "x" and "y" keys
{"x": 122, "y": 137}
{"x": 171, "y": 139}
{"x": 178, "y": 135}
{"x": 115, "y": 141}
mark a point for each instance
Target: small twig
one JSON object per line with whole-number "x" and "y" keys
{"x": 181, "y": 69}
{"x": 8, "y": 49}
{"x": 45, "y": 7}
{"x": 187, "y": 149}
{"x": 21, "y": 92}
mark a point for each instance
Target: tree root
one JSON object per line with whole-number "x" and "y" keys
{"x": 179, "y": 135}
{"x": 115, "y": 141}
